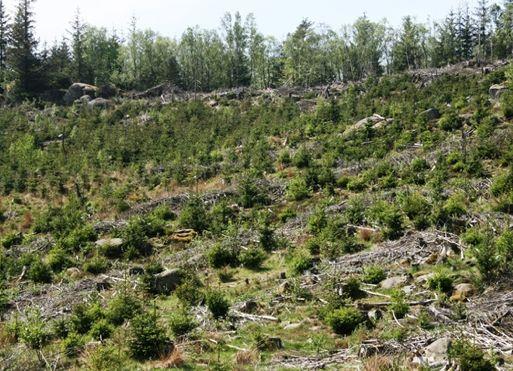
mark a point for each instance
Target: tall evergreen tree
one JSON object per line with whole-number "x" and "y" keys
{"x": 22, "y": 58}
{"x": 410, "y": 50}
{"x": 482, "y": 14}
{"x": 465, "y": 34}
{"x": 446, "y": 44}
{"x": 4, "y": 33}
{"x": 78, "y": 29}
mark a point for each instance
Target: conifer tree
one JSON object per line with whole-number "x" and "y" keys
{"x": 77, "y": 47}
{"x": 22, "y": 58}
{"x": 4, "y": 33}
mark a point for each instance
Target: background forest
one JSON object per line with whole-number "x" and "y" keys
{"x": 237, "y": 54}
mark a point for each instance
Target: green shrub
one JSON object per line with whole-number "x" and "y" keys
{"x": 101, "y": 330}
{"x": 504, "y": 246}
{"x": 345, "y": 321}
{"x": 222, "y": 254}
{"x": 317, "y": 221}
{"x": 147, "y": 339}
{"x": 181, "y": 323}
{"x": 300, "y": 262}
{"x": 355, "y": 211}
{"x": 399, "y": 305}
{"x": 190, "y": 292}
{"x": 469, "y": 357}
{"x": 33, "y": 331}
{"x": 163, "y": 212}
{"x": 61, "y": 328}
{"x": 217, "y": 304}
{"x": 123, "y": 307}
{"x": 78, "y": 238}
{"x": 194, "y": 215}
{"x": 417, "y": 209}
{"x": 502, "y": 184}
{"x": 456, "y": 205}
{"x": 302, "y": 158}
{"x": 58, "y": 259}
{"x": 352, "y": 288}
{"x": 96, "y": 265}
{"x": 474, "y": 237}
{"x": 487, "y": 260}
{"x": 83, "y": 317}
{"x": 12, "y": 239}
{"x": 267, "y": 239}
{"x": 441, "y": 281}
{"x": 284, "y": 158}
{"x": 373, "y": 274}
{"x": 450, "y": 121}
{"x": 135, "y": 241}
{"x": 298, "y": 190}
{"x": 506, "y": 102}
{"x": 252, "y": 258}
{"x": 250, "y": 192}
{"x": 390, "y": 217}
{"x": 313, "y": 246}
{"x": 39, "y": 272}
{"x": 72, "y": 345}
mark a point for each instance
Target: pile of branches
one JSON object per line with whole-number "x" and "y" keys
{"x": 416, "y": 248}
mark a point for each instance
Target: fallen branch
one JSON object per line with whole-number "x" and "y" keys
{"x": 367, "y": 306}
{"x": 253, "y": 317}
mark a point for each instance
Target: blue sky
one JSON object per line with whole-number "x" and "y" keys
{"x": 274, "y": 17}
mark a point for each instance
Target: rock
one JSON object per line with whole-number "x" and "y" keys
{"x": 249, "y": 306}
{"x": 84, "y": 99}
{"x": 270, "y": 344}
{"x": 184, "y": 235}
{"x": 375, "y": 121}
{"x": 167, "y": 281}
{"x": 292, "y": 326}
{"x": 463, "y": 291}
{"x": 431, "y": 114}
{"x": 307, "y": 105}
{"x": 375, "y": 315}
{"x": 77, "y": 90}
{"x": 103, "y": 285}
{"x": 284, "y": 288}
{"x": 108, "y": 91}
{"x": 136, "y": 271}
{"x": 100, "y": 103}
{"x": 109, "y": 242}
{"x": 421, "y": 280}
{"x": 437, "y": 351}
{"x": 212, "y": 103}
{"x": 394, "y": 282}
{"x": 497, "y": 90}
{"x": 408, "y": 290}
{"x": 74, "y": 272}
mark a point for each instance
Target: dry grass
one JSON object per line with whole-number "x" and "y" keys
{"x": 366, "y": 234}
{"x": 175, "y": 359}
{"x": 6, "y": 337}
{"x": 27, "y": 221}
{"x": 383, "y": 363}
{"x": 378, "y": 363}
{"x": 247, "y": 357}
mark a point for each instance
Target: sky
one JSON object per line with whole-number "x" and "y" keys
{"x": 274, "y": 17}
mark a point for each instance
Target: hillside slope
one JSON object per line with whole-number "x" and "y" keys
{"x": 371, "y": 229}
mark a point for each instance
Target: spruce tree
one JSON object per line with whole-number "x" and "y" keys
{"x": 482, "y": 14}
{"x": 4, "y": 31}
{"x": 22, "y": 58}
{"x": 77, "y": 47}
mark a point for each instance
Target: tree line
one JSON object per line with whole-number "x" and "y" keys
{"x": 238, "y": 54}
